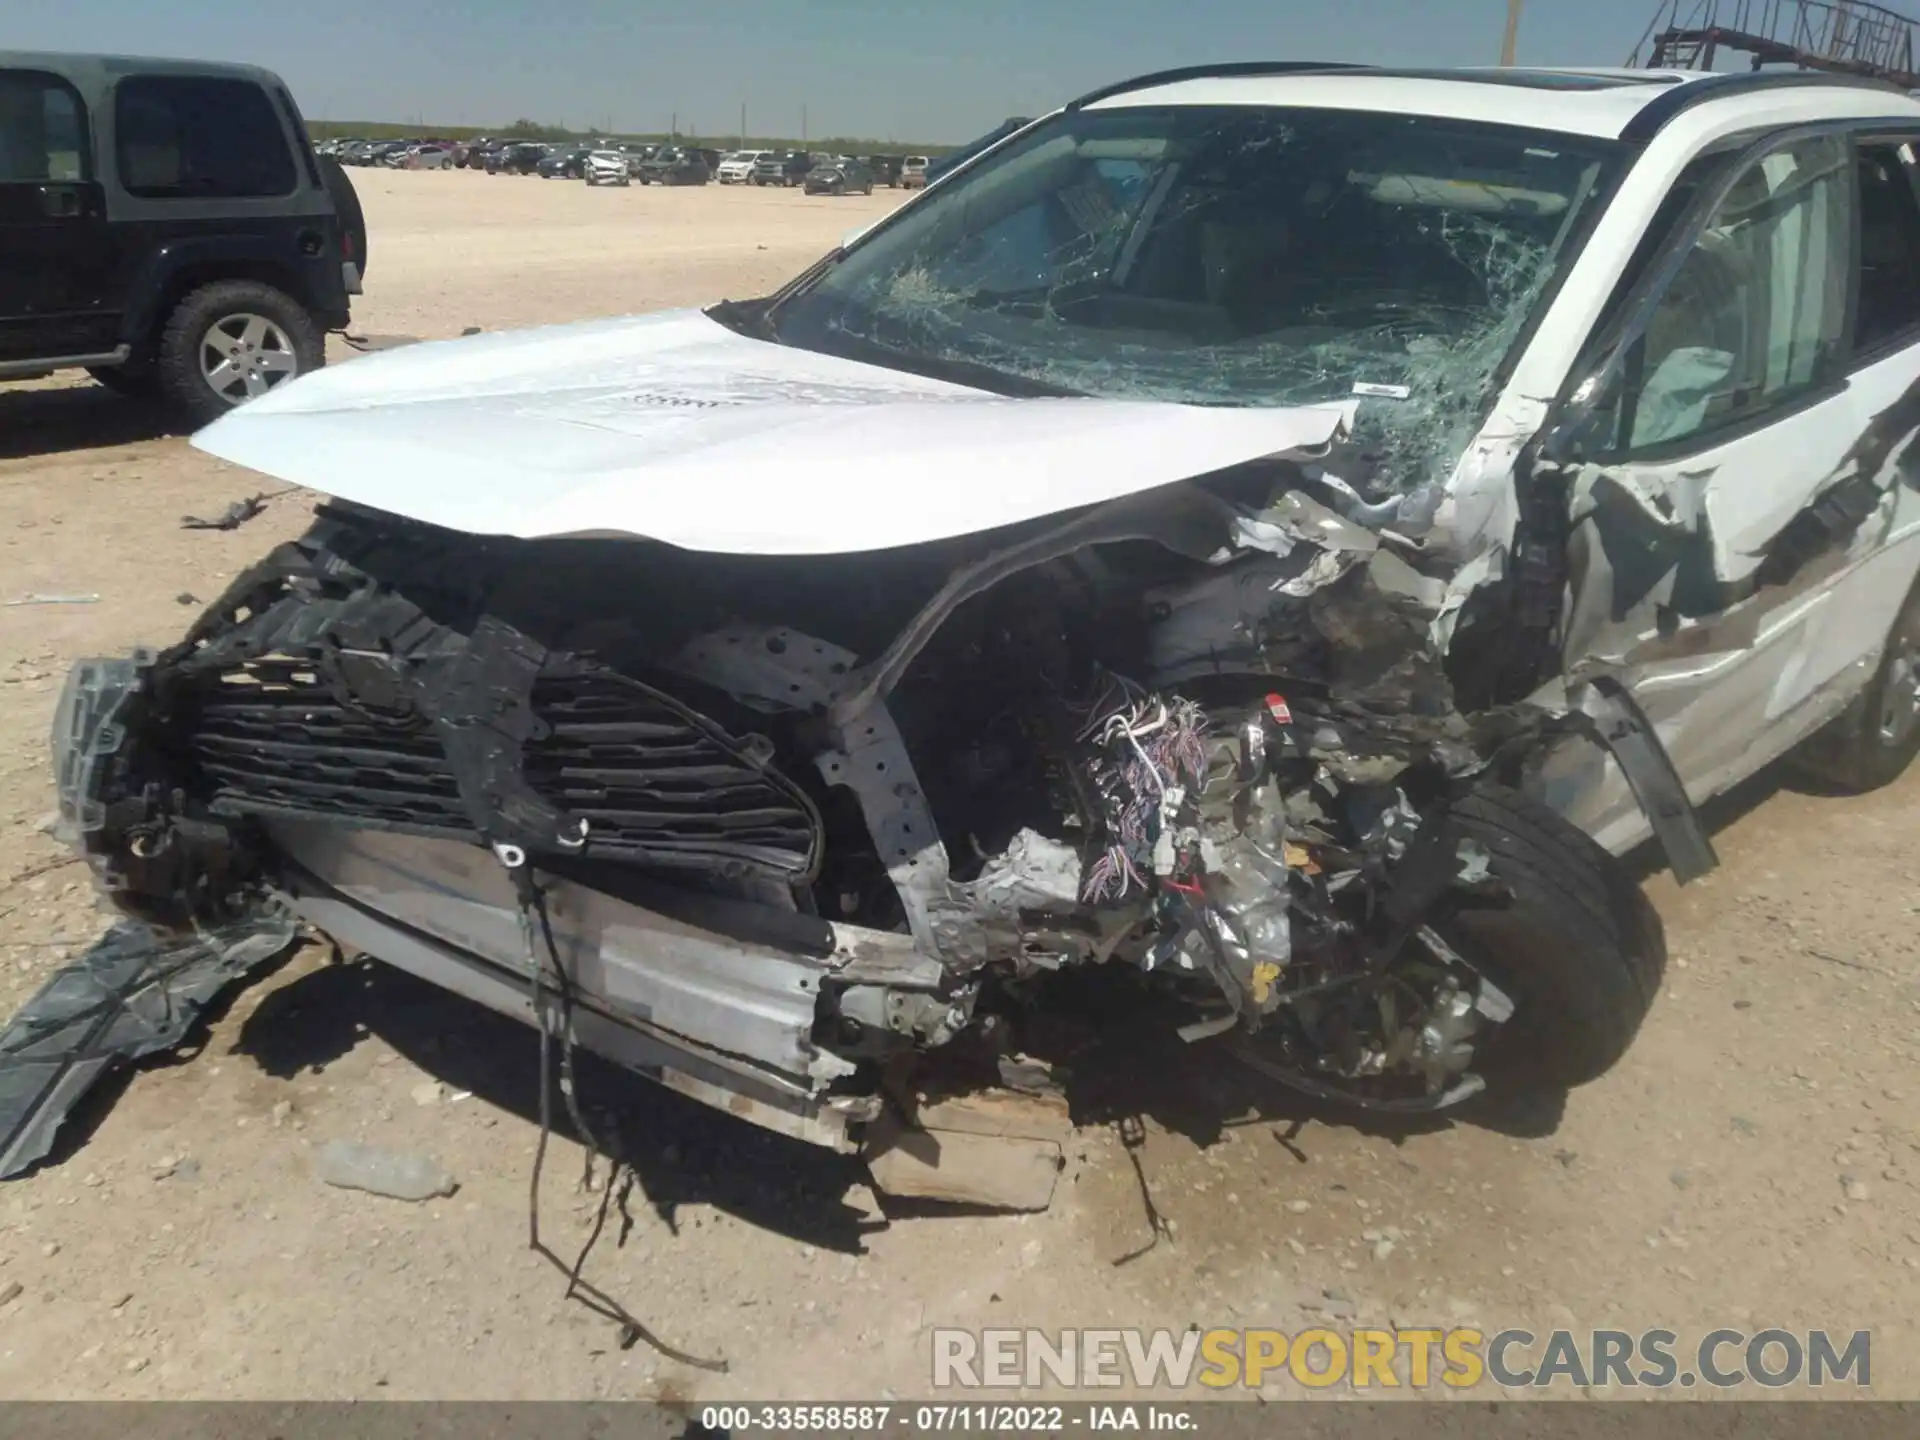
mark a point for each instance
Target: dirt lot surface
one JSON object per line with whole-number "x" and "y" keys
{"x": 1752, "y": 1163}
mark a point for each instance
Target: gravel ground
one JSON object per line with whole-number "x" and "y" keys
{"x": 1751, "y": 1163}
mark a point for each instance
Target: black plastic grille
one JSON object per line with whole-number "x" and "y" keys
{"x": 656, "y": 783}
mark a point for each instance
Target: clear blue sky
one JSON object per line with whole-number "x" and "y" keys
{"x": 928, "y": 71}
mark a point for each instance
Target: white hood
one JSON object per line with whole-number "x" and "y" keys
{"x": 673, "y": 427}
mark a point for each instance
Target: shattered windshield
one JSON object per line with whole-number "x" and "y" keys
{"x": 1221, "y": 256}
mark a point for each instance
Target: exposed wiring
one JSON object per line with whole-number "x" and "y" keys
{"x": 1150, "y": 752}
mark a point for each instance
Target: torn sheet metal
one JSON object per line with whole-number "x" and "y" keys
{"x": 676, "y": 428}
{"x": 1294, "y": 518}
{"x": 1673, "y": 501}
{"x": 138, "y": 990}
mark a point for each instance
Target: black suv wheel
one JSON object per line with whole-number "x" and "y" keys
{"x": 234, "y": 341}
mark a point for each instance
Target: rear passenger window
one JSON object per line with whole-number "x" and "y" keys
{"x": 42, "y": 135}
{"x": 1889, "y": 246}
{"x": 1755, "y": 316}
{"x": 195, "y": 137}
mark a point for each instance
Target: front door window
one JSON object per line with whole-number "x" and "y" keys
{"x": 1756, "y": 316}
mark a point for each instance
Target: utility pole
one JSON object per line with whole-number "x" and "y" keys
{"x": 743, "y": 124}
{"x": 803, "y": 126}
{"x": 1511, "y": 43}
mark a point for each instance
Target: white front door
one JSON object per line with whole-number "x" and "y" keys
{"x": 1733, "y": 543}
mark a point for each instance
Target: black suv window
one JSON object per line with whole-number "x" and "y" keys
{"x": 42, "y": 135}
{"x": 1889, "y": 245}
{"x": 196, "y": 137}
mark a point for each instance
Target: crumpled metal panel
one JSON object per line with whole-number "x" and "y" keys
{"x": 673, "y": 427}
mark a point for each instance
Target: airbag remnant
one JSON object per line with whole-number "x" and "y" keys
{"x": 136, "y": 991}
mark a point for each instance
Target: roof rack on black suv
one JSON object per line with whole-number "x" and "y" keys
{"x": 167, "y": 226}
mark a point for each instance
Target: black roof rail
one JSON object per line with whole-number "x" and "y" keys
{"x": 1668, "y": 105}
{"x": 1225, "y": 70}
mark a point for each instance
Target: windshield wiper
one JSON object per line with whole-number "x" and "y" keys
{"x": 744, "y": 317}
{"x": 754, "y": 318}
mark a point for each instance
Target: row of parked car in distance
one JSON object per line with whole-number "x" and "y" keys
{"x": 392, "y": 154}
{"x": 821, "y": 171}
{"x": 611, "y": 163}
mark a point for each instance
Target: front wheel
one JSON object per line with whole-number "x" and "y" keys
{"x": 1534, "y": 980}
{"x": 234, "y": 341}
{"x": 1578, "y": 947}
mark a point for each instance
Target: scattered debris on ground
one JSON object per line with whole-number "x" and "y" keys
{"x": 138, "y": 990}
{"x": 232, "y": 518}
{"x": 1000, "y": 1150}
{"x": 371, "y": 344}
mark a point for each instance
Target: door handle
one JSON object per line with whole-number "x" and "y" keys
{"x": 59, "y": 203}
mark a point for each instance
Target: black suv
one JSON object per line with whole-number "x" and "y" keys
{"x": 568, "y": 164}
{"x": 677, "y": 165}
{"x": 167, "y": 226}
{"x": 782, "y": 169}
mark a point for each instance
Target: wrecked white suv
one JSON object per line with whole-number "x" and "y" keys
{"x": 1266, "y": 532}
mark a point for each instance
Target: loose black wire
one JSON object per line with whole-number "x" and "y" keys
{"x": 533, "y": 906}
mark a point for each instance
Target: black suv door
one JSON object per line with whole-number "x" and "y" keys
{"x": 58, "y": 296}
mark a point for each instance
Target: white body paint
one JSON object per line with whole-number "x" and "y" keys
{"x": 675, "y": 428}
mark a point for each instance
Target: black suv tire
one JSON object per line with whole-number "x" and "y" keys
{"x": 227, "y": 303}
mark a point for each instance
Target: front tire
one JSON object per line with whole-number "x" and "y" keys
{"x": 234, "y": 341}
{"x": 1577, "y": 947}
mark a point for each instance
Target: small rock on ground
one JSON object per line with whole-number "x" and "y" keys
{"x": 381, "y": 1172}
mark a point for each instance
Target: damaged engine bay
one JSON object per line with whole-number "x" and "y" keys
{"x": 1200, "y": 732}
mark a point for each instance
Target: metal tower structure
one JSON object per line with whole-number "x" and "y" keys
{"x": 1848, "y": 37}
